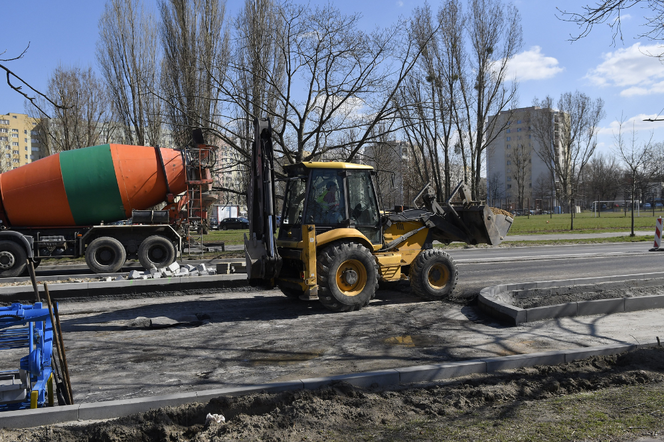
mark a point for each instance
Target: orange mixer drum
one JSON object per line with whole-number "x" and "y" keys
{"x": 91, "y": 185}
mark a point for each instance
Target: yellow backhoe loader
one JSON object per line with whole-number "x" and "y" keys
{"x": 334, "y": 244}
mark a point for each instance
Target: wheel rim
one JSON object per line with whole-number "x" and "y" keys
{"x": 351, "y": 277}
{"x": 6, "y": 260}
{"x": 105, "y": 256}
{"x": 439, "y": 276}
{"x": 157, "y": 254}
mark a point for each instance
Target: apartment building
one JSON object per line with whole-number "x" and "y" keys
{"x": 517, "y": 177}
{"x": 18, "y": 144}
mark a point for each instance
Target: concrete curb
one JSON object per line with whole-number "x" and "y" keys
{"x": 126, "y": 287}
{"x": 497, "y": 300}
{"x": 382, "y": 378}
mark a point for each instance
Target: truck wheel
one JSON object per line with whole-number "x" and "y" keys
{"x": 347, "y": 276}
{"x": 13, "y": 259}
{"x": 156, "y": 251}
{"x": 105, "y": 255}
{"x": 433, "y": 275}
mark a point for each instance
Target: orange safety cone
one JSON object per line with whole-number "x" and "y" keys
{"x": 658, "y": 235}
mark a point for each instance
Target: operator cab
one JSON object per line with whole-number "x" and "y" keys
{"x": 330, "y": 196}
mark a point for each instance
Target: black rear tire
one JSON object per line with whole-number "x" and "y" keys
{"x": 156, "y": 251}
{"x": 13, "y": 259}
{"x": 291, "y": 292}
{"x": 347, "y": 276}
{"x": 433, "y": 275}
{"x": 105, "y": 255}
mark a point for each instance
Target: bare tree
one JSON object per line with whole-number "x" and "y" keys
{"x": 426, "y": 102}
{"x": 83, "y": 117}
{"x": 637, "y": 156}
{"x": 128, "y": 55}
{"x": 195, "y": 54}
{"x": 519, "y": 170}
{"x": 31, "y": 96}
{"x": 495, "y": 189}
{"x": 602, "y": 178}
{"x": 494, "y": 30}
{"x": 568, "y": 138}
{"x": 543, "y": 189}
{"x": 258, "y": 68}
{"x": 610, "y": 12}
{"x": 333, "y": 84}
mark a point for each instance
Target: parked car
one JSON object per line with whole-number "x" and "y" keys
{"x": 658, "y": 205}
{"x": 234, "y": 223}
{"x": 647, "y": 206}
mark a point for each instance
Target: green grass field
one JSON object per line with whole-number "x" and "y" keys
{"x": 585, "y": 222}
{"x": 525, "y": 225}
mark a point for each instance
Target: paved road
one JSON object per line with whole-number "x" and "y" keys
{"x": 239, "y": 337}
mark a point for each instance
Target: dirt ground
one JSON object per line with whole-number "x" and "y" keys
{"x": 561, "y": 295}
{"x": 539, "y": 403}
{"x": 616, "y": 398}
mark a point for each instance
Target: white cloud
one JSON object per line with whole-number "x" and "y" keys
{"x": 634, "y": 69}
{"x": 636, "y": 123}
{"x": 533, "y": 65}
{"x": 399, "y": 4}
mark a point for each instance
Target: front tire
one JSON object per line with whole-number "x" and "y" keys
{"x": 433, "y": 275}
{"x": 347, "y": 277}
{"x": 105, "y": 255}
{"x": 13, "y": 259}
{"x": 156, "y": 251}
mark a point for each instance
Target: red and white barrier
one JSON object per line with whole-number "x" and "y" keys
{"x": 658, "y": 235}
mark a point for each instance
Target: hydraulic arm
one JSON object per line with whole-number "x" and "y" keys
{"x": 263, "y": 261}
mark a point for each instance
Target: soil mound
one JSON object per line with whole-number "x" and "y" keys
{"x": 344, "y": 412}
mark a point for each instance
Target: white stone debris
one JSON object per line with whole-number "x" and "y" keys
{"x": 175, "y": 269}
{"x": 218, "y": 418}
{"x": 135, "y": 274}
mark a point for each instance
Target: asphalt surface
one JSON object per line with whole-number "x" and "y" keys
{"x": 172, "y": 342}
{"x": 176, "y": 342}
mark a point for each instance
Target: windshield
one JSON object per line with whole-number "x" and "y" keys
{"x": 294, "y": 201}
{"x": 325, "y": 203}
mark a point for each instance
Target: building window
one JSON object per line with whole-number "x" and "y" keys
{"x": 509, "y": 186}
{"x": 518, "y": 129}
{"x": 15, "y": 143}
{"x": 509, "y": 162}
{"x": 518, "y": 121}
{"x": 509, "y": 138}
{"x": 4, "y": 121}
{"x": 508, "y": 146}
{"x": 14, "y": 135}
{"x": 508, "y": 130}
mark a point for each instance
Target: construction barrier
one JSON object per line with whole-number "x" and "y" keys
{"x": 658, "y": 236}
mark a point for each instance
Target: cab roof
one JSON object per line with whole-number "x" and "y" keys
{"x": 299, "y": 168}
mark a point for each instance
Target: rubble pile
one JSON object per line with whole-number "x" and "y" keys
{"x": 173, "y": 270}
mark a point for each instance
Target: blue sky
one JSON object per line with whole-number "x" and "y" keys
{"x": 630, "y": 82}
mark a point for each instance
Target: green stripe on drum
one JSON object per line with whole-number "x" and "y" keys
{"x": 91, "y": 186}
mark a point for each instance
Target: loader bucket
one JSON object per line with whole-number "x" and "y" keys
{"x": 483, "y": 225}
{"x": 497, "y": 227}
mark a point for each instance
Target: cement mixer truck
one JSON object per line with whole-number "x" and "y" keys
{"x": 72, "y": 204}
